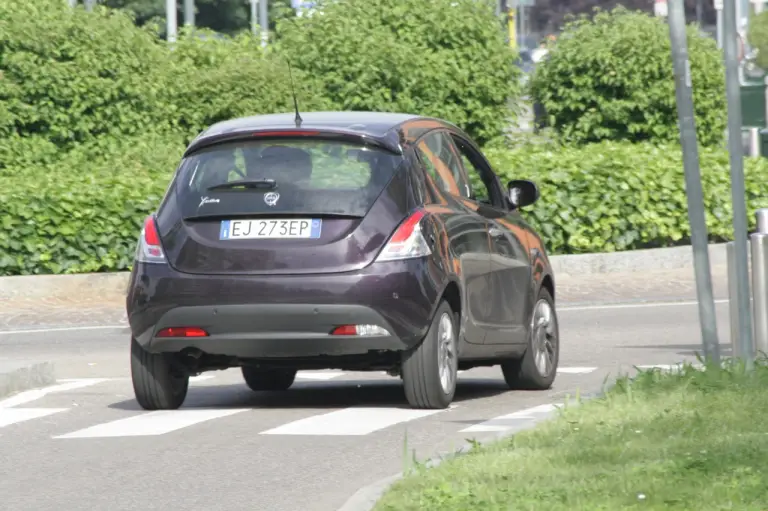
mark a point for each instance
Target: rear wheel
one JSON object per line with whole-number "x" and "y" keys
{"x": 157, "y": 384}
{"x": 259, "y": 379}
{"x": 537, "y": 369}
{"x": 429, "y": 371}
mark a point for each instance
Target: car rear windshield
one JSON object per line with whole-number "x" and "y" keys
{"x": 286, "y": 176}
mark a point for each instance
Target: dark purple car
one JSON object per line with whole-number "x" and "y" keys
{"x": 348, "y": 240}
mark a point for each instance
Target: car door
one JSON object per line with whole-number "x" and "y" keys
{"x": 510, "y": 281}
{"x": 466, "y": 230}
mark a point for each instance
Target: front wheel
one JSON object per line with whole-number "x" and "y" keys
{"x": 157, "y": 384}
{"x": 537, "y": 369}
{"x": 429, "y": 371}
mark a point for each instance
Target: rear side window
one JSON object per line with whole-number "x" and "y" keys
{"x": 301, "y": 176}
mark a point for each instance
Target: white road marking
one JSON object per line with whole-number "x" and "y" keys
{"x": 65, "y": 329}
{"x": 506, "y": 422}
{"x": 32, "y": 395}
{"x": 350, "y": 422}
{"x": 576, "y": 370}
{"x": 319, "y": 375}
{"x": 152, "y": 423}
{"x": 643, "y": 305}
{"x": 10, "y": 416}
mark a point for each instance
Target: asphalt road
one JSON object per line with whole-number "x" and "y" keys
{"x": 84, "y": 444}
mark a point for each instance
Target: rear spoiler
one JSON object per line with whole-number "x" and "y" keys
{"x": 389, "y": 142}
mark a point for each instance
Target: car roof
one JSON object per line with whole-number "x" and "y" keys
{"x": 388, "y": 129}
{"x": 370, "y": 123}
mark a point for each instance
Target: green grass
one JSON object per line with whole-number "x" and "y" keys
{"x": 692, "y": 440}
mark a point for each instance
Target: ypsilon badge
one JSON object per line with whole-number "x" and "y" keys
{"x": 271, "y": 198}
{"x": 207, "y": 200}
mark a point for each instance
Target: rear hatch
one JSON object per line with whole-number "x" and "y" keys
{"x": 282, "y": 206}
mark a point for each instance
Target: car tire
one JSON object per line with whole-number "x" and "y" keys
{"x": 156, "y": 383}
{"x": 421, "y": 367}
{"x": 525, "y": 373}
{"x": 260, "y": 380}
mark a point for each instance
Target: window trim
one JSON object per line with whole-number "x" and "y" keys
{"x": 485, "y": 169}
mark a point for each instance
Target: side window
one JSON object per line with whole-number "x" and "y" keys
{"x": 481, "y": 190}
{"x": 441, "y": 161}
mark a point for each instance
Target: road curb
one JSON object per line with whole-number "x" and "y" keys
{"x": 366, "y": 498}
{"x": 111, "y": 287}
{"x": 17, "y": 376}
{"x": 634, "y": 261}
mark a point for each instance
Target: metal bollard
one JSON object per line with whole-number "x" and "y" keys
{"x": 733, "y": 304}
{"x": 759, "y": 248}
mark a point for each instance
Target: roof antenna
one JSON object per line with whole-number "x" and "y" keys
{"x": 298, "y": 118}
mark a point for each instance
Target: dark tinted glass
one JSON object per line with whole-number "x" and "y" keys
{"x": 311, "y": 176}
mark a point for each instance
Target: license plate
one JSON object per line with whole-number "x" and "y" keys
{"x": 292, "y": 228}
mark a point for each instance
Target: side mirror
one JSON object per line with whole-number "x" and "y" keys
{"x": 522, "y": 193}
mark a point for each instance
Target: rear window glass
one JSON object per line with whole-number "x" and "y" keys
{"x": 311, "y": 176}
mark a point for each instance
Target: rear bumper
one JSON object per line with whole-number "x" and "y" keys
{"x": 284, "y": 316}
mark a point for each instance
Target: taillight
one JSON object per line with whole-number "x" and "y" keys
{"x": 150, "y": 250}
{"x": 182, "y": 331}
{"x": 407, "y": 241}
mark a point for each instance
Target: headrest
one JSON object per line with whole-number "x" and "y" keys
{"x": 287, "y": 162}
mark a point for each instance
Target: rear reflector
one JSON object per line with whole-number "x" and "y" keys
{"x": 407, "y": 241}
{"x": 150, "y": 249}
{"x": 361, "y": 330}
{"x": 182, "y": 331}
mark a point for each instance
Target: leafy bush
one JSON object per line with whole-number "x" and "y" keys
{"x": 445, "y": 58}
{"x": 614, "y": 196}
{"x": 84, "y": 213}
{"x": 232, "y": 77}
{"x": 67, "y": 77}
{"x": 611, "y": 78}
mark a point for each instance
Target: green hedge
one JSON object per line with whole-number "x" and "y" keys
{"x": 598, "y": 198}
{"x": 615, "y": 196}
{"x": 611, "y": 78}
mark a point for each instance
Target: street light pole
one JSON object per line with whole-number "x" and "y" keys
{"x": 263, "y": 17}
{"x": 738, "y": 189}
{"x": 170, "y": 20}
{"x": 189, "y": 13}
{"x": 694, "y": 192}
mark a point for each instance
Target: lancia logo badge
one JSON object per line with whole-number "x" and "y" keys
{"x": 271, "y": 198}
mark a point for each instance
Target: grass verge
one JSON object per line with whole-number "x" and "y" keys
{"x": 692, "y": 440}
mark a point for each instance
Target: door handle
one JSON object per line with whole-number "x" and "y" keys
{"x": 495, "y": 232}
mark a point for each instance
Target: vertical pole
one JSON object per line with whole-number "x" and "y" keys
{"x": 263, "y": 17}
{"x": 694, "y": 193}
{"x": 512, "y": 27}
{"x": 738, "y": 191}
{"x": 720, "y": 27}
{"x": 170, "y": 20}
{"x": 254, "y": 17}
{"x": 759, "y": 245}
{"x": 189, "y": 13}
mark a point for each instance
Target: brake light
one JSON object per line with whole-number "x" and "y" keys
{"x": 182, "y": 331}
{"x": 150, "y": 249}
{"x": 285, "y": 133}
{"x": 408, "y": 241}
